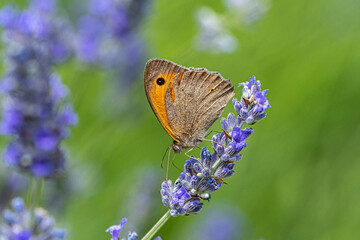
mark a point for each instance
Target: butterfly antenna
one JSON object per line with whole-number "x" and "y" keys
{"x": 162, "y": 160}
{"x": 211, "y": 132}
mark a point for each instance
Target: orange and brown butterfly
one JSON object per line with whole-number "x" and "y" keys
{"x": 186, "y": 101}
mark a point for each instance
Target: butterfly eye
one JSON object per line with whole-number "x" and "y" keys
{"x": 160, "y": 81}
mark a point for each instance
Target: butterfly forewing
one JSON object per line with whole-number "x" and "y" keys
{"x": 161, "y": 69}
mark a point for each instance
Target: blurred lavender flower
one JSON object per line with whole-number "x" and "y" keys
{"x": 247, "y": 11}
{"x": 253, "y": 104}
{"x": 219, "y": 223}
{"x": 107, "y": 36}
{"x": 21, "y": 224}
{"x": 79, "y": 180}
{"x": 204, "y": 176}
{"x": 34, "y": 111}
{"x": 213, "y": 36}
{"x": 214, "y": 29}
{"x": 143, "y": 193}
{"x": 41, "y": 23}
{"x": 115, "y": 231}
{"x": 11, "y": 184}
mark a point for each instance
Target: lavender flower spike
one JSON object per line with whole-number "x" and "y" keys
{"x": 204, "y": 176}
{"x": 19, "y": 224}
{"x": 116, "y": 229}
{"x": 34, "y": 111}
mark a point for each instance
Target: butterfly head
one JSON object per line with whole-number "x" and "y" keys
{"x": 189, "y": 142}
{"x": 176, "y": 147}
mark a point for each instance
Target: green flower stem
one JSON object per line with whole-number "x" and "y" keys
{"x": 39, "y": 186}
{"x": 34, "y": 195}
{"x": 30, "y": 192}
{"x": 157, "y": 226}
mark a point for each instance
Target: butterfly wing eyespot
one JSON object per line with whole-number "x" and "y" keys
{"x": 160, "y": 81}
{"x": 212, "y": 89}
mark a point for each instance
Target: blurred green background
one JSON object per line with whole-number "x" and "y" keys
{"x": 299, "y": 177}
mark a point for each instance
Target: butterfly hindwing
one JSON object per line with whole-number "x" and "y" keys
{"x": 200, "y": 98}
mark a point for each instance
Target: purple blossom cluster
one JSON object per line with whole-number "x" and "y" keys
{"x": 204, "y": 176}
{"x": 35, "y": 112}
{"x": 22, "y": 224}
{"x": 116, "y": 229}
{"x": 107, "y": 36}
{"x": 253, "y": 104}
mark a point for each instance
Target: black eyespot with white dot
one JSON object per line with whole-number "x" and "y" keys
{"x": 160, "y": 81}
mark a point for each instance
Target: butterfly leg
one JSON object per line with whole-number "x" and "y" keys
{"x": 186, "y": 154}
{"x": 204, "y": 139}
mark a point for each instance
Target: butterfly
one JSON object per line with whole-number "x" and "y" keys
{"x": 186, "y": 101}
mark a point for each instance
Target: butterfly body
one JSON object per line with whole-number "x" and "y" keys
{"x": 186, "y": 101}
{"x": 190, "y": 142}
